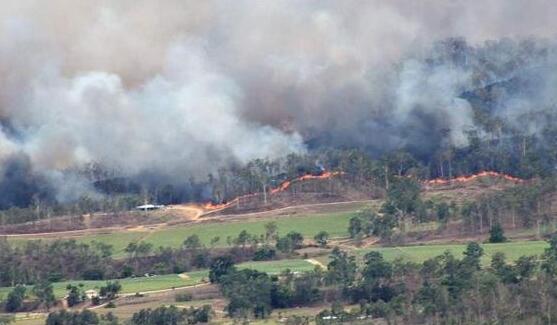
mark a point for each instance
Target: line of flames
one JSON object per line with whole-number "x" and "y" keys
{"x": 279, "y": 189}
{"x": 465, "y": 179}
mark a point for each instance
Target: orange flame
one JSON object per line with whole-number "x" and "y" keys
{"x": 465, "y": 179}
{"x": 281, "y": 188}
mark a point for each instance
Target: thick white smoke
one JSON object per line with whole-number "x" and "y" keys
{"x": 184, "y": 87}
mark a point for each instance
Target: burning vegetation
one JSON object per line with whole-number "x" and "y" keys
{"x": 467, "y": 179}
{"x": 283, "y": 187}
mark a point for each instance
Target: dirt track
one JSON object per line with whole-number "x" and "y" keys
{"x": 195, "y": 215}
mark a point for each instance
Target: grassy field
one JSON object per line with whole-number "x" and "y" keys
{"x": 133, "y": 285}
{"x": 418, "y": 254}
{"x": 274, "y": 267}
{"x": 336, "y": 224}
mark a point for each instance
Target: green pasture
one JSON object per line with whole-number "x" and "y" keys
{"x": 169, "y": 281}
{"x": 336, "y": 224}
{"x": 418, "y": 254}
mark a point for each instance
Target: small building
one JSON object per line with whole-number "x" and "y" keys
{"x": 90, "y": 294}
{"x": 149, "y": 207}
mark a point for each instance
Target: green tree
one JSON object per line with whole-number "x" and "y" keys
{"x": 44, "y": 292}
{"x": 403, "y": 199}
{"x": 144, "y": 248}
{"x": 15, "y": 299}
{"x": 443, "y": 212}
{"x": 248, "y": 292}
{"x": 549, "y": 257}
{"x": 110, "y": 290}
{"x": 215, "y": 240}
{"x": 109, "y": 319}
{"x": 243, "y": 239}
{"x": 355, "y": 227}
{"x": 131, "y": 250}
{"x": 321, "y": 238}
{"x": 75, "y": 294}
{"x": 496, "y": 234}
{"x": 376, "y": 267}
{"x": 473, "y": 255}
{"x": 503, "y": 270}
{"x": 220, "y": 267}
{"x": 271, "y": 231}
{"x": 377, "y": 225}
{"x": 172, "y": 315}
{"x": 341, "y": 268}
{"x": 292, "y": 241}
{"x": 192, "y": 242}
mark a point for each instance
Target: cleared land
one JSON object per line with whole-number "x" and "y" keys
{"x": 308, "y": 223}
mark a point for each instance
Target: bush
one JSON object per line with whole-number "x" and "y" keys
{"x": 264, "y": 254}
{"x": 322, "y": 238}
{"x": 15, "y": 299}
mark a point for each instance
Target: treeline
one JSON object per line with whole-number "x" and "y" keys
{"x": 161, "y": 315}
{"x": 527, "y": 205}
{"x": 38, "y": 261}
{"x": 446, "y": 289}
{"x": 500, "y": 148}
{"x": 45, "y": 209}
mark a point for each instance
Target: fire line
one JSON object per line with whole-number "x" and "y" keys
{"x": 281, "y": 188}
{"x": 465, "y": 179}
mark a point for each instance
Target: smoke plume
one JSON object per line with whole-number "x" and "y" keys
{"x": 181, "y": 88}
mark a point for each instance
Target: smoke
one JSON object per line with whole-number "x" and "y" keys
{"x": 180, "y": 88}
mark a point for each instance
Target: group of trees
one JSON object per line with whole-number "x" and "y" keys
{"x": 42, "y": 291}
{"x": 85, "y": 317}
{"x": 42, "y": 295}
{"x": 40, "y": 261}
{"x": 443, "y": 289}
{"x": 170, "y": 315}
{"x": 173, "y": 315}
{"x": 45, "y": 209}
{"x": 255, "y": 294}
{"x": 403, "y": 205}
{"x": 526, "y": 205}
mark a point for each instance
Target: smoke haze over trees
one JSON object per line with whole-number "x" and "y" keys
{"x": 179, "y": 89}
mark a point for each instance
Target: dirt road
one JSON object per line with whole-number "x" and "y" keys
{"x": 191, "y": 214}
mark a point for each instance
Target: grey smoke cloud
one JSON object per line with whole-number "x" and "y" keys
{"x": 185, "y": 87}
